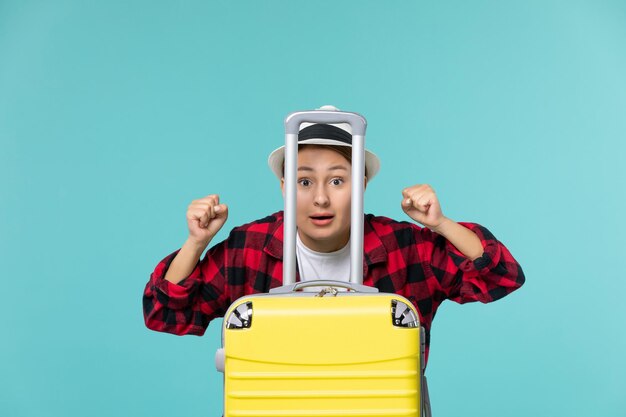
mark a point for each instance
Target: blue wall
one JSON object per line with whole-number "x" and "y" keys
{"x": 115, "y": 115}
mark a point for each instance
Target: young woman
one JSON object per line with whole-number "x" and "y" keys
{"x": 443, "y": 260}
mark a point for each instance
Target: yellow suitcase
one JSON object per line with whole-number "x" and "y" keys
{"x": 293, "y": 353}
{"x": 329, "y": 354}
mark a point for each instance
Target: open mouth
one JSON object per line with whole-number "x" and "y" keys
{"x": 321, "y": 219}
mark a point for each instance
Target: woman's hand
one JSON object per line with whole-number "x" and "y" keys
{"x": 205, "y": 217}
{"x": 420, "y": 203}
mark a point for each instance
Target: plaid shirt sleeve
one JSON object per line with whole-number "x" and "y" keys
{"x": 189, "y": 306}
{"x": 488, "y": 278}
{"x": 233, "y": 268}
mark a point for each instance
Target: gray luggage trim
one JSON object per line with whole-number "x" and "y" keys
{"x": 286, "y": 289}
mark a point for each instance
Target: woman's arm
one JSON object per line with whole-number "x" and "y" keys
{"x": 469, "y": 262}
{"x": 466, "y": 241}
{"x": 205, "y": 217}
{"x": 421, "y": 204}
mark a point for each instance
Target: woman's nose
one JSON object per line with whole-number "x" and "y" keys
{"x": 321, "y": 197}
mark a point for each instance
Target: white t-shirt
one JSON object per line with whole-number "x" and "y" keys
{"x": 312, "y": 265}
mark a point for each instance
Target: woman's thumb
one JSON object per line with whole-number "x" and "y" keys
{"x": 221, "y": 209}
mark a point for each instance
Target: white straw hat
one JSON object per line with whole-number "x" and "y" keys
{"x": 339, "y": 134}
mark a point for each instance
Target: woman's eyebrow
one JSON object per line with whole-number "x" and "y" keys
{"x": 338, "y": 167}
{"x": 332, "y": 168}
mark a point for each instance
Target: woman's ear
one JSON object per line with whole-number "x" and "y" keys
{"x": 282, "y": 186}
{"x": 364, "y": 183}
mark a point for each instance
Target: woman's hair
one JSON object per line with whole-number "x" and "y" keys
{"x": 345, "y": 151}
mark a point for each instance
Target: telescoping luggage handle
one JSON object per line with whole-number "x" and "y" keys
{"x": 292, "y": 128}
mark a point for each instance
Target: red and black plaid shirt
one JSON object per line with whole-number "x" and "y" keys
{"x": 399, "y": 257}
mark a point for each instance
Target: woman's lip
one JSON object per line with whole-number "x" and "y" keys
{"x": 321, "y": 215}
{"x": 321, "y": 220}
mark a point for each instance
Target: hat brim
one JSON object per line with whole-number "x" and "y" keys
{"x": 277, "y": 157}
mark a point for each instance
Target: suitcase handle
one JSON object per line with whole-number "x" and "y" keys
{"x": 295, "y": 119}
{"x": 286, "y": 289}
{"x": 292, "y": 127}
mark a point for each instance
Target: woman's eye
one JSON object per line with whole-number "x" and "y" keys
{"x": 336, "y": 181}
{"x": 304, "y": 182}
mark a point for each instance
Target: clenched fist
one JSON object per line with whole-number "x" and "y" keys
{"x": 205, "y": 217}
{"x": 420, "y": 203}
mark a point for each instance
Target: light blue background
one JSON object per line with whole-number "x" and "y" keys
{"x": 115, "y": 115}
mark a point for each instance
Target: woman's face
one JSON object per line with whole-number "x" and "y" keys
{"x": 323, "y": 199}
